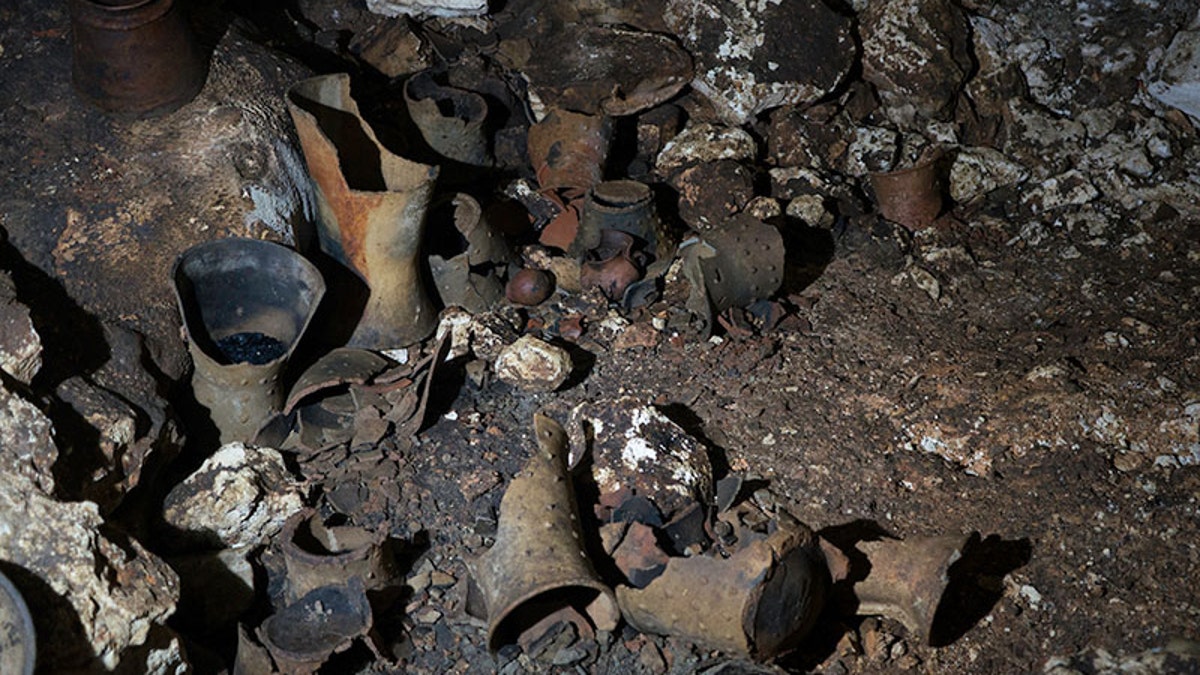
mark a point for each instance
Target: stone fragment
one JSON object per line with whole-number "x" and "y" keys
{"x": 916, "y": 54}
{"x": 240, "y": 496}
{"x": 872, "y": 149}
{"x": 810, "y": 209}
{"x": 533, "y": 365}
{"x": 1177, "y": 81}
{"x": 27, "y": 449}
{"x": 604, "y": 70}
{"x": 754, "y": 56}
{"x": 423, "y": 8}
{"x": 703, "y": 143}
{"x": 711, "y": 192}
{"x": 976, "y": 171}
{"x": 636, "y": 451}
{"x": 99, "y": 593}
{"x": 20, "y": 345}
{"x": 1070, "y": 188}
{"x": 392, "y": 48}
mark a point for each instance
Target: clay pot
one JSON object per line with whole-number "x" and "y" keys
{"x": 231, "y": 288}
{"x": 372, "y": 205}
{"x": 135, "y": 57}
{"x": 911, "y": 197}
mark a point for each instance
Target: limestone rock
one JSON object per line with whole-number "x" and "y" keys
{"x": 636, "y": 451}
{"x": 27, "y": 450}
{"x": 1178, "y": 79}
{"x": 20, "y": 345}
{"x": 916, "y": 54}
{"x": 703, "y": 143}
{"x": 240, "y": 496}
{"x": 421, "y": 8}
{"x": 533, "y": 365}
{"x": 98, "y": 593}
{"x": 976, "y": 171}
{"x": 752, "y": 56}
{"x": 129, "y": 424}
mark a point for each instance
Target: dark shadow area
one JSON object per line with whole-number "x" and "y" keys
{"x": 582, "y": 363}
{"x": 809, "y": 251}
{"x": 72, "y": 339}
{"x": 976, "y": 584}
{"x": 337, "y": 315}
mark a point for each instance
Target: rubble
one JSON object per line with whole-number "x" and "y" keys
{"x": 239, "y": 497}
{"x": 421, "y": 8}
{"x": 106, "y": 592}
{"x": 1177, "y": 80}
{"x": 916, "y": 54}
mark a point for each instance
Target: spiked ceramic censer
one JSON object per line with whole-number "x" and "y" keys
{"x": 245, "y": 304}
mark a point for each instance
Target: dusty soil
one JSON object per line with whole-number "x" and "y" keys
{"x": 1035, "y": 380}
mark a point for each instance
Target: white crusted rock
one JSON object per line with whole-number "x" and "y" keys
{"x": 1177, "y": 81}
{"x": 703, "y": 143}
{"x": 533, "y": 365}
{"x": 977, "y": 171}
{"x": 101, "y": 593}
{"x": 422, "y": 8}
{"x": 241, "y": 496}
{"x": 915, "y": 52}
{"x": 27, "y": 449}
{"x": 637, "y": 451}
{"x": 20, "y": 345}
{"x": 752, "y": 56}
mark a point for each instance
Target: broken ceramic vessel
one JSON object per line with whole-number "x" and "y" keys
{"x": 539, "y": 563}
{"x": 450, "y": 119}
{"x": 733, "y": 265}
{"x": 245, "y": 305}
{"x": 372, "y": 206}
{"x": 908, "y": 579}
{"x": 760, "y": 601}
{"x": 468, "y": 257}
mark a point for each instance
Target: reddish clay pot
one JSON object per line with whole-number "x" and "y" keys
{"x": 911, "y": 197}
{"x": 135, "y": 58}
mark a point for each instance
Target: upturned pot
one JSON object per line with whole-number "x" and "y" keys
{"x": 135, "y": 58}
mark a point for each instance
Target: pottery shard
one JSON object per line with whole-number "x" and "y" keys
{"x": 752, "y": 56}
{"x": 533, "y": 365}
{"x": 916, "y": 54}
{"x": 20, "y": 346}
{"x": 96, "y": 593}
{"x": 240, "y": 496}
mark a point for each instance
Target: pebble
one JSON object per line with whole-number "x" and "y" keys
{"x": 427, "y": 615}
